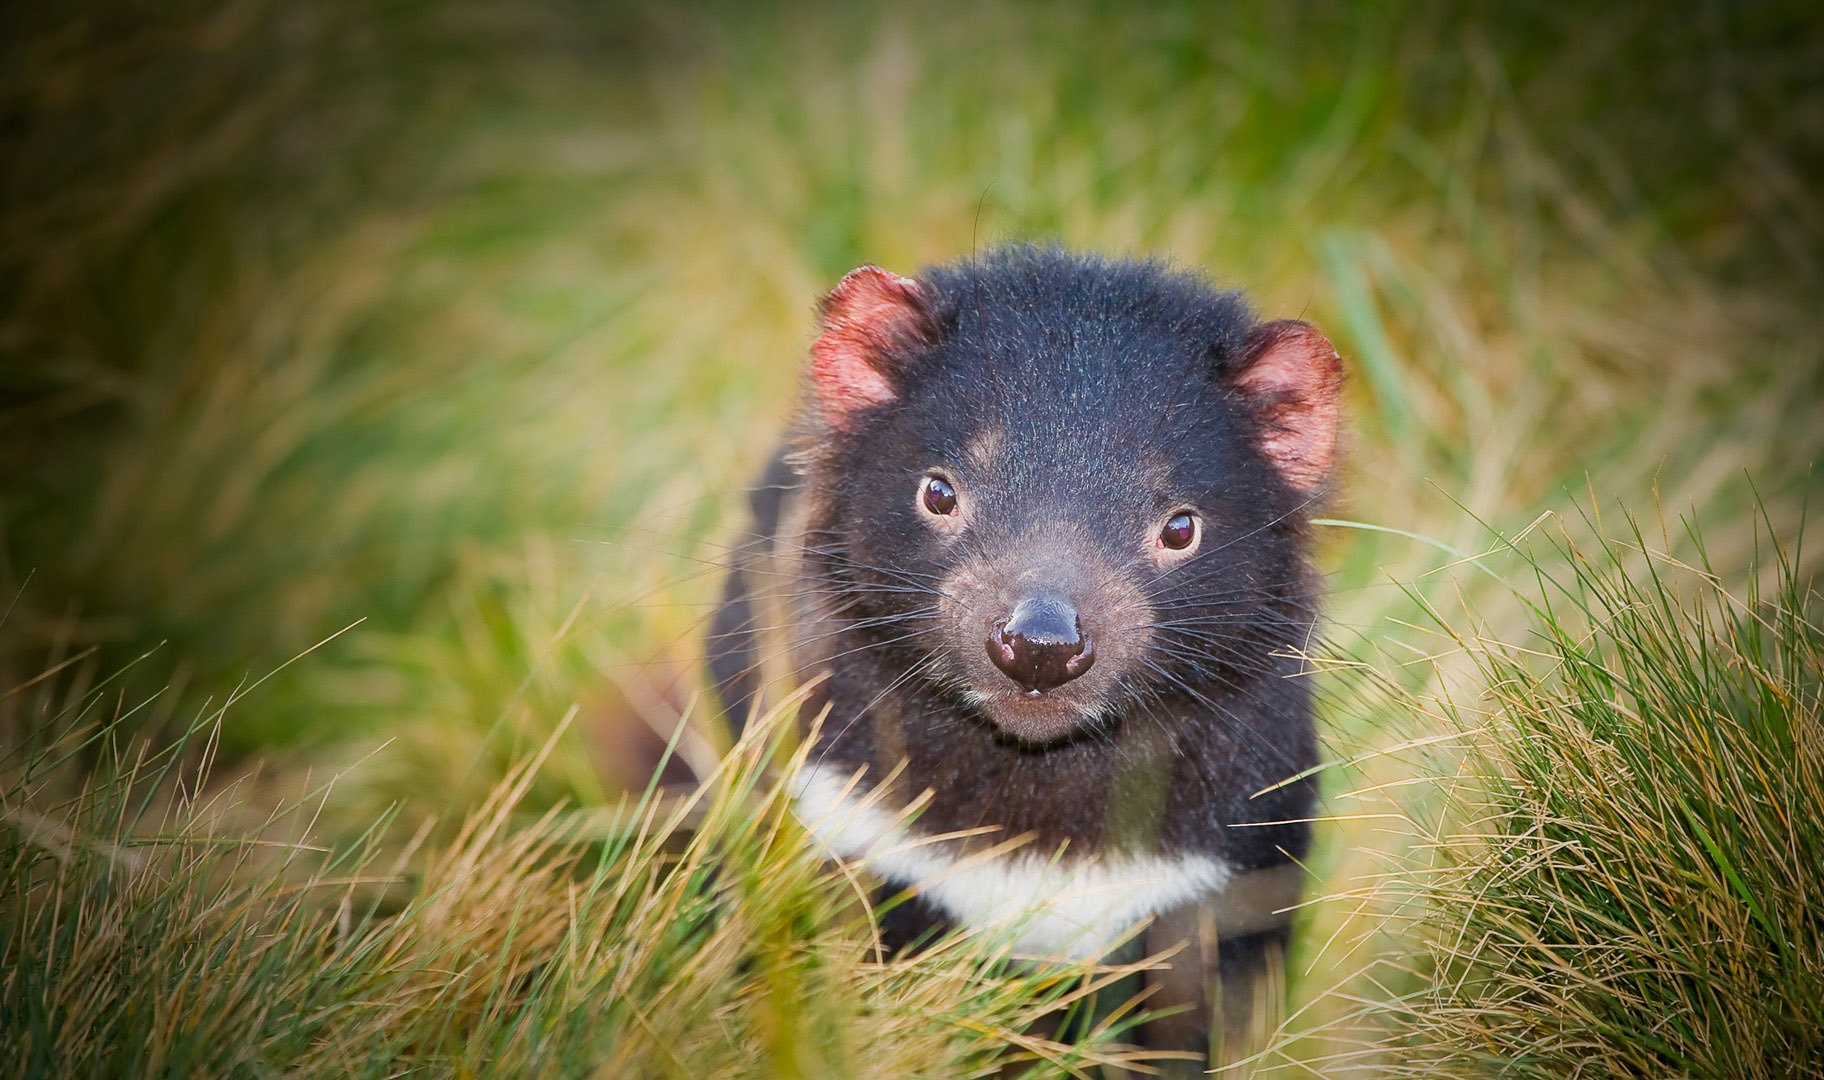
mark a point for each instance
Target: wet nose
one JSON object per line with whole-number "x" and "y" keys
{"x": 1041, "y": 645}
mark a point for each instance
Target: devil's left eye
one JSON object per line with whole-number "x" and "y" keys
{"x": 937, "y": 496}
{"x": 1179, "y": 532}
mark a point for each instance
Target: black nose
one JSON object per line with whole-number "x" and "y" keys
{"x": 1040, "y": 645}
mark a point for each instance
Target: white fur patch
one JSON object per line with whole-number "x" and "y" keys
{"x": 1076, "y": 907}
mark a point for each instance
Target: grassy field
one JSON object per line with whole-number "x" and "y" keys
{"x": 460, "y": 326}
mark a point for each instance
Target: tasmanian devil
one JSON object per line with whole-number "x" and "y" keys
{"x": 1040, "y": 531}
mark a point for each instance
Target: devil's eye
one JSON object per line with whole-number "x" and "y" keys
{"x": 937, "y": 496}
{"x": 1179, "y": 532}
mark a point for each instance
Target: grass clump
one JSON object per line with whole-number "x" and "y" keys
{"x": 1627, "y": 883}
{"x": 688, "y": 936}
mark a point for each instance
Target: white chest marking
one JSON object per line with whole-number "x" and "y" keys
{"x": 1051, "y": 905}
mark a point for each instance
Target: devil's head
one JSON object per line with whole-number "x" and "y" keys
{"x": 1056, "y": 487}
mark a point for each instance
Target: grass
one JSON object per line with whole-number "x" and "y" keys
{"x": 700, "y": 935}
{"x": 1617, "y": 874}
{"x": 463, "y": 324}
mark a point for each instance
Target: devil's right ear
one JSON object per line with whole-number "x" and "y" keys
{"x": 869, "y": 325}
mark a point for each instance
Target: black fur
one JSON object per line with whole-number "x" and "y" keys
{"x": 1102, "y": 390}
{"x": 733, "y": 650}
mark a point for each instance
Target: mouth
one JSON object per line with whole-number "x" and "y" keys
{"x": 1037, "y": 716}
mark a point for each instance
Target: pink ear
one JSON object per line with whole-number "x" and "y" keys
{"x": 1292, "y": 375}
{"x": 868, "y": 321}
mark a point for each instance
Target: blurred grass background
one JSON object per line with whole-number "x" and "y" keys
{"x": 470, "y": 320}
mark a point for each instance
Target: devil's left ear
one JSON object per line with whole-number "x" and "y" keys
{"x": 871, "y": 323}
{"x": 1291, "y": 376}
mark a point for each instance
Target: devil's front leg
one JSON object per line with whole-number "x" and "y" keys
{"x": 907, "y": 923}
{"x": 1227, "y": 978}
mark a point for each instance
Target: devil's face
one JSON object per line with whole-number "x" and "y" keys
{"x": 1065, "y": 509}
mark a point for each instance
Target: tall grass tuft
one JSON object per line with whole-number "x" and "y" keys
{"x": 147, "y": 930}
{"x": 1628, "y": 874}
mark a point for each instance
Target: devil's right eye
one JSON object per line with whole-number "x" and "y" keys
{"x": 1179, "y": 531}
{"x": 937, "y": 496}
